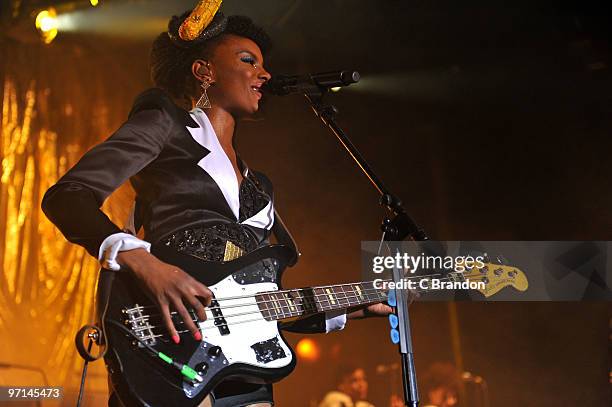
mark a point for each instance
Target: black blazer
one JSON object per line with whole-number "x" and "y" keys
{"x": 154, "y": 149}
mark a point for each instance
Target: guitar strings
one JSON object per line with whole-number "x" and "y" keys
{"x": 227, "y": 324}
{"x": 282, "y": 313}
{"x": 346, "y": 296}
{"x": 263, "y": 301}
{"x": 480, "y": 277}
{"x": 288, "y": 306}
{"x": 216, "y": 325}
{"x": 295, "y": 290}
{"x": 258, "y": 311}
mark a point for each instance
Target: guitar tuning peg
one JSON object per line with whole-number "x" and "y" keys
{"x": 501, "y": 260}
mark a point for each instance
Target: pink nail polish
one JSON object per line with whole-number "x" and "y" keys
{"x": 197, "y": 336}
{"x": 176, "y": 339}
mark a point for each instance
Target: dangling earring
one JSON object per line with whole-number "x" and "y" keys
{"x": 204, "y": 101}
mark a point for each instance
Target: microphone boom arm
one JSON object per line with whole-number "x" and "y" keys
{"x": 402, "y": 226}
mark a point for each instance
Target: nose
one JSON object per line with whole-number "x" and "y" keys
{"x": 264, "y": 75}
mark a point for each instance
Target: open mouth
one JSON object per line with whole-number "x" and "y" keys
{"x": 257, "y": 89}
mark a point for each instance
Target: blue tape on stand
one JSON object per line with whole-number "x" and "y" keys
{"x": 391, "y": 298}
{"x": 395, "y": 336}
{"x": 393, "y": 321}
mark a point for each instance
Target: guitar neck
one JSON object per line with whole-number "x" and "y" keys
{"x": 300, "y": 302}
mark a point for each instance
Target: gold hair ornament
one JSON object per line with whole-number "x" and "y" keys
{"x": 199, "y": 19}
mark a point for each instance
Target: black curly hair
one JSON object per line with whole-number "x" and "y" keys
{"x": 171, "y": 60}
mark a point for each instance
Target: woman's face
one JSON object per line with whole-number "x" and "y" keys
{"x": 236, "y": 67}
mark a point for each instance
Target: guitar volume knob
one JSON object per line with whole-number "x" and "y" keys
{"x": 201, "y": 368}
{"x": 214, "y": 351}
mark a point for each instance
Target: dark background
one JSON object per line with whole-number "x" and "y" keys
{"x": 490, "y": 120}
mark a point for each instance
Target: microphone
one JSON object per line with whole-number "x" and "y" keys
{"x": 282, "y": 85}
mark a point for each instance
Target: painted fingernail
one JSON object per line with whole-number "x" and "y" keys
{"x": 176, "y": 339}
{"x": 197, "y": 336}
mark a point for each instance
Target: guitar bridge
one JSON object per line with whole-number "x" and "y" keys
{"x": 140, "y": 325}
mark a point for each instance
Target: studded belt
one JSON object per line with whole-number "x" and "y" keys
{"x": 222, "y": 242}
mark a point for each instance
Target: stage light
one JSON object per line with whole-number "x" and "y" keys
{"x": 46, "y": 24}
{"x": 308, "y": 350}
{"x": 93, "y": 2}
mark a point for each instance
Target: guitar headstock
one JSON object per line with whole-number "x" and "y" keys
{"x": 496, "y": 277}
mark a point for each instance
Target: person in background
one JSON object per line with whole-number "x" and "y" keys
{"x": 351, "y": 391}
{"x": 396, "y": 401}
{"x": 441, "y": 385}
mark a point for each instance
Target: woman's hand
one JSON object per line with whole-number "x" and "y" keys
{"x": 373, "y": 310}
{"x": 379, "y": 309}
{"x": 168, "y": 286}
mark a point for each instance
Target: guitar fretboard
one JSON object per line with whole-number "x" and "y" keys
{"x": 277, "y": 305}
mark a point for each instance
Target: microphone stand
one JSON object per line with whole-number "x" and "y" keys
{"x": 400, "y": 227}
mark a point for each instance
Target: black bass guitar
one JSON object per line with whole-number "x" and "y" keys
{"x": 240, "y": 338}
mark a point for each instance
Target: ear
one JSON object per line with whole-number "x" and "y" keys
{"x": 202, "y": 71}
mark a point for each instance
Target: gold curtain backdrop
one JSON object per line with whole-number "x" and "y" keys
{"x": 516, "y": 103}
{"x": 54, "y": 107}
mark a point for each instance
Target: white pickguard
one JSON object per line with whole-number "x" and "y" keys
{"x": 246, "y": 329}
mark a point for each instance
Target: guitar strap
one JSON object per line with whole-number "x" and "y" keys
{"x": 283, "y": 236}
